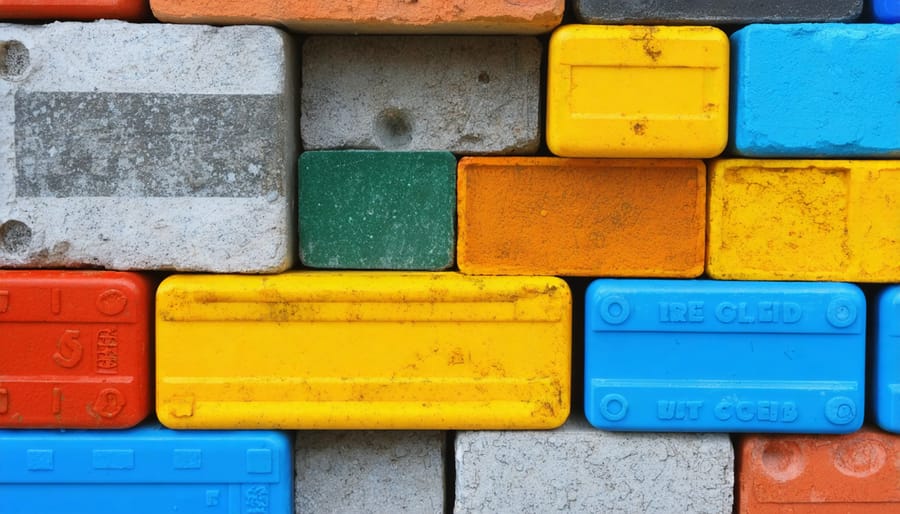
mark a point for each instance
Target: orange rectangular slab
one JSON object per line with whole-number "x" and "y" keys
{"x": 74, "y": 349}
{"x": 372, "y": 16}
{"x": 581, "y": 217}
{"x": 73, "y": 9}
{"x": 819, "y": 474}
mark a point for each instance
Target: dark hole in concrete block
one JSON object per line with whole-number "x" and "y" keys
{"x": 393, "y": 128}
{"x": 14, "y": 59}
{"x": 15, "y": 236}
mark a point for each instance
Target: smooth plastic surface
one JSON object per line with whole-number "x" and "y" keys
{"x": 804, "y": 220}
{"x": 637, "y": 91}
{"x": 824, "y": 474}
{"x": 698, "y": 356}
{"x": 74, "y": 349}
{"x": 363, "y": 350}
{"x": 581, "y": 217}
{"x": 885, "y": 387}
{"x": 146, "y": 470}
{"x": 886, "y": 11}
{"x": 73, "y": 9}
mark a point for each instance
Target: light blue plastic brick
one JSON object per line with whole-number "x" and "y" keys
{"x": 886, "y": 11}
{"x": 721, "y": 356}
{"x": 816, "y": 90}
{"x": 146, "y": 470}
{"x": 886, "y": 361}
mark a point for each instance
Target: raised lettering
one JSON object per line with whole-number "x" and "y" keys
{"x": 4, "y": 301}
{"x": 789, "y": 412}
{"x": 677, "y": 311}
{"x": 792, "y": 312}
{"x": 726, "y": 312}
{"x": 56, "y": 406}
{"x": 55, "y": 301}
{"x": 722, "y": 410}
{"x": 4, "y": 400}
{"x": 695, "y": 312}
{"x": 68, "y": 349}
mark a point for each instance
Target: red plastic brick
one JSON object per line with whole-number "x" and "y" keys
{"x": 73, "y": 9}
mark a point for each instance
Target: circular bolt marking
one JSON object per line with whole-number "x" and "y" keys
{"x": 613, "y": 407}
{"x": 109, "y": 403}
{"x": 614, "y": 309}
{"x": 841, "y": 313}
{"x": 111, "y": 302}
{"x": 840, "y": 410}
{"x": 782, "y": 460}
{"x": 860, "y": 458}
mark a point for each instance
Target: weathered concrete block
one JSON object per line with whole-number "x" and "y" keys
{"x": 580, "y": 469}
{"x": 146, "y": 147}
{"x": 469, "y": 95}
{"x": 369, "y": 471}
{"x": 377, "y": 210}
{"x": 715, "y": 12}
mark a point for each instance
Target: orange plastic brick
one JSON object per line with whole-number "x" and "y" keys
{"x": 581, "y": 217}
{"x": 824, "y": 474}
{"x": 74, "y": 349}
{"x": 73, "y": 9}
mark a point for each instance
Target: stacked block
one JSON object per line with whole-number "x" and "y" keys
{"x": 73, "y": 9}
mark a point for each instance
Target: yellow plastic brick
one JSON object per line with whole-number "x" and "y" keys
{"x": 804, "y": 220}
{"x": 347, "y": 350}
{"x": 637, "y": 91}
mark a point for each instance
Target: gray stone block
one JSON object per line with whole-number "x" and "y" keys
{"x": 369, "y": 471}
{"x": 578, "y": 468}
{"x": 468, "y": 95}
{"x": 715, "y": 12}
{"x": 143, "y": 146}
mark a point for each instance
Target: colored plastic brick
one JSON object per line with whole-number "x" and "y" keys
{"x": 886, "y": 11}
{"x": 363, "y": 350}
{"x": 816, "y": 90}
{"x": 715, "y": 12}
{"x": 355, "y": 17}
{"x": 377, "y": 210}
{"x": 74, "y": 349}
{"x": 885, "y": 387}
{"x": 697, "y": 356}
{"x": 589, "y": 217}
{"x": 804, "y": 220}
{"x": 73, "y": 9}
{"x": 824, "y": 474}
{"x": 146, "y": 470}
{"x": 637, "y": 91}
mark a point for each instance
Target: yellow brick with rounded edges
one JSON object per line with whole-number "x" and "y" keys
{"x": 637, "y": 91}
{"x": 357, "y": 350}
{"x": 804, "y": 220}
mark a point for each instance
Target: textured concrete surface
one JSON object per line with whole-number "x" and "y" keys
{"x": 715, "y": 12}
{"x": 369, "y": 472}
{"x": 580, "y": 469}
{"x": 468, "y": 95}
{"x": 377, "y": 210}
{"x": 131, "y": 146}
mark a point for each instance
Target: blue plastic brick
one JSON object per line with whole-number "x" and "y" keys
{"x": 148, "y": 470}
{"x": 816, "y": 90}
{"x": 886, "y": 11}
{"x": 720, "y": 356}
{"x": 885, "y": 387}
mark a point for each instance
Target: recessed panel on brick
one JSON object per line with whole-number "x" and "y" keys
{"x": 637, "y": 91}
{"x": 355, "y": 350}
{"x": 377, "y": 210}
{"x": 886, "y": 11}
{"x": 719, "y": 356}
{"x": 73, "y": 9}
{"x": 812, "y": 474}
{"x": 355, "y": 17}
{"x": 145, "y": 147}
{"x": 833, "y": 220}
{"x": 715, "y": 12}
{"x": 581, "y": 217}
{"x": 145, "y": 470}
{"x": 816, "y": 90}
{"x": 74, "y": 349}
{"x": 885, "y": 387}
{"x": 467, "y": 95}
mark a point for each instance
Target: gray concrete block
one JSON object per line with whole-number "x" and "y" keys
{"x": 369, "y": 471}
{"x": 715, "y": 12}
{"x": 142, "y": 146}
{"x": 468, "y": 95}
{"x": 577, "y": 468}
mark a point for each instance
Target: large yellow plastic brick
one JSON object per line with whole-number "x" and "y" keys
{"x": 348, "y": 350}
{"x": 804, "y": 220}
{"x": 637, "y": 91}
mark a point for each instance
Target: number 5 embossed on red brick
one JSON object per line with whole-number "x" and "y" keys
{"x": 74, "y": 349}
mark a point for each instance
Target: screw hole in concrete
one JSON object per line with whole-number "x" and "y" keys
{"x": 14, "y": 59}
{"x": 484, "y": 77}
{"x": 393, "y": 128}
{"x": 15, "y": 236}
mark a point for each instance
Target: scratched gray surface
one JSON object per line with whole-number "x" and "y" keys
{"x": 715, "y": 11}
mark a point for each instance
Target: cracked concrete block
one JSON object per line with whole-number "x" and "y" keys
{"x": 468, "y": 95}
{"x": 129, "y": 146}
{"x": 369, "y": 471}
{"x": 715, "y": 12}
{"x": 577, "y": 468}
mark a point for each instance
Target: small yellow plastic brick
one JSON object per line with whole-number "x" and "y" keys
{"x": 637, "y": 91}
{"x": 804, "y": 220}
{"x": 354, "y": 350}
